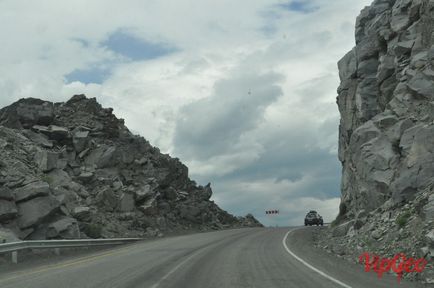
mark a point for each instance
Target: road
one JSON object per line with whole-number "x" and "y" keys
{"x": 257, "y": 257}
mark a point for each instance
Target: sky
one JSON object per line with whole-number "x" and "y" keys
{"x": 242, "y": 92}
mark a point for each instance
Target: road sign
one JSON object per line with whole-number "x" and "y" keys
{"x": 272, "y": 212}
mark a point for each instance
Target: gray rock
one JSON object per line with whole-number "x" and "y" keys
{"x": 85, "y": 177}
{"x": 143, "y": 193}
{"x": 421, "y": 86}
{"x": 127, "y": 202}
{"x": 6, "y": 194}
{"x": 101, "y": 157}
{"x": 38, "y": 138}
{"x": 58, "y": 133}
{"x": 7, "y": 236}
{"x": 36, "y": 210}
{"x": 53, "y": 132}
{"x": 376, "y": 234}
{"x": 124, "y": 185}
{"x": 207, "y": 192}
{"x": 342, "y": 229}
{"x": 429, "y": 208}
{"x": 430, "y": 238}
{"x": 65, "y": 228}
{"x": 48, "y": 161}
{"x": 82, "y": 213}
{"x": 190, "y": 213}
{"x": 348, "y": 66}
{"x": 107, "y": 199}
{"x": 80, "y": 140}
{"x": 60, "y": 178}
{"x": 8, "y": 210}
{"x": 27, "y": 112}
{"x": 149, "y": 207}
{"x": 403, "y": 48}
{"x": 32, "y": 190}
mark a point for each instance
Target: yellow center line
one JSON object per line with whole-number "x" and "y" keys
{"x": 78, "y": 261}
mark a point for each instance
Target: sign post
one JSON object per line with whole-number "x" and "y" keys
{"x": 272, "y": 212}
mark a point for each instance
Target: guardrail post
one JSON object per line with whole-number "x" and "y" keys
{"x": 57, "y": 251}
{"x": 15, "y": 257}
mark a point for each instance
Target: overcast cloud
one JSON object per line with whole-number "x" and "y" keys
{"x": 243, "y": 92}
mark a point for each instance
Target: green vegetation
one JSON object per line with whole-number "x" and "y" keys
{"x": 333, "y": 223}
{"x": 46, "y": 178}
{"x": 92, "y": 230}
{"x": 402, "y": 219}
{"x": 368, "y": 243}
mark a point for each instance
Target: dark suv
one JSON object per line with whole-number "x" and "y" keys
{"x": 313, "y": 218}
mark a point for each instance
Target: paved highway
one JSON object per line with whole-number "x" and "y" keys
{"x": 263, "y": 258}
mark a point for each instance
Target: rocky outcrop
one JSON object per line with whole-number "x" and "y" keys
{"x": 386, "y": 101}
{"x": 386, "y": 132}
{"x": 71, "y": 170}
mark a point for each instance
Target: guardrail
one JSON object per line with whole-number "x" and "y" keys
{"x": 14, "y": 247}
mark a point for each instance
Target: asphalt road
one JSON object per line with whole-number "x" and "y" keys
{"x": 262, "y": 258}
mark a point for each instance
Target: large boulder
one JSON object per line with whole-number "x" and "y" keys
{"x": 47, "y": 160}
{"x": 36, "y": 210}
{"x": 32, "y": 190}
{"x": 8, "y": 210}
{"x": 27, "y": 112}
{"x": 126, "y": 202}
{"x": 149, "y": 207}
{"x": 82, "y": 213}
{"x": 6, "y": 194}
{"x": 80, "y": 140}
{"x": 53, "y": 132}
{"x": 65, "y": 228}
{"x": 101, "y": 157}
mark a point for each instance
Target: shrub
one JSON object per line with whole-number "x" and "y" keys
{"x": 402, "y": 219}
{"x": 46, "y": 179}
{"x": 92, "y": 230}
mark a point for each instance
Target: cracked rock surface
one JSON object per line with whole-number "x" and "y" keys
{"x": 73, "y": 170}
{"x": 386, "y": 133}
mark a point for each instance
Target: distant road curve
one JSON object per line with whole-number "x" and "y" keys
{"x": 256, "y": 257}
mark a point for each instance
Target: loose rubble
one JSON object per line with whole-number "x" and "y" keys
{"x": 73, "y": 170}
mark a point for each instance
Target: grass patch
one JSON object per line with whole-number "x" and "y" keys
{"x": 402, "y": 219}
{"x": 47, "y": 179}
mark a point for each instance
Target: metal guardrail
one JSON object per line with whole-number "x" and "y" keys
{"x": 14, "y": 247}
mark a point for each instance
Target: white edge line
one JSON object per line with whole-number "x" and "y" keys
{"x": 310, "y": 266}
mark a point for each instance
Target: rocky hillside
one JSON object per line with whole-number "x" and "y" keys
{"x": 386, "y": 135}
{"x": 73, "y": 170}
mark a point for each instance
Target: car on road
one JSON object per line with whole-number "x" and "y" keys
{"x": 313, "y": 218}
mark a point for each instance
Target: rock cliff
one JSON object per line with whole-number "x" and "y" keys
{"x": 73, "y": 170}
{"x": 386, "y": 132}
{"x": 386, "y": 101}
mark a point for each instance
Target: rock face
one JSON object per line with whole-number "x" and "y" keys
{"x": 71, "y": 170}
{"x": 386, "y": 132}
{"x": 386, "y": 101}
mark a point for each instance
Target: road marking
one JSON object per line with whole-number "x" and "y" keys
{"x": 310, "y": 266}
{"x": 156, "y": 285}
{"x": 81, "y": 260}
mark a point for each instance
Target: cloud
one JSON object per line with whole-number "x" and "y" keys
{"x": 245, "y": 96}
{"x": 215, "y": 125}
